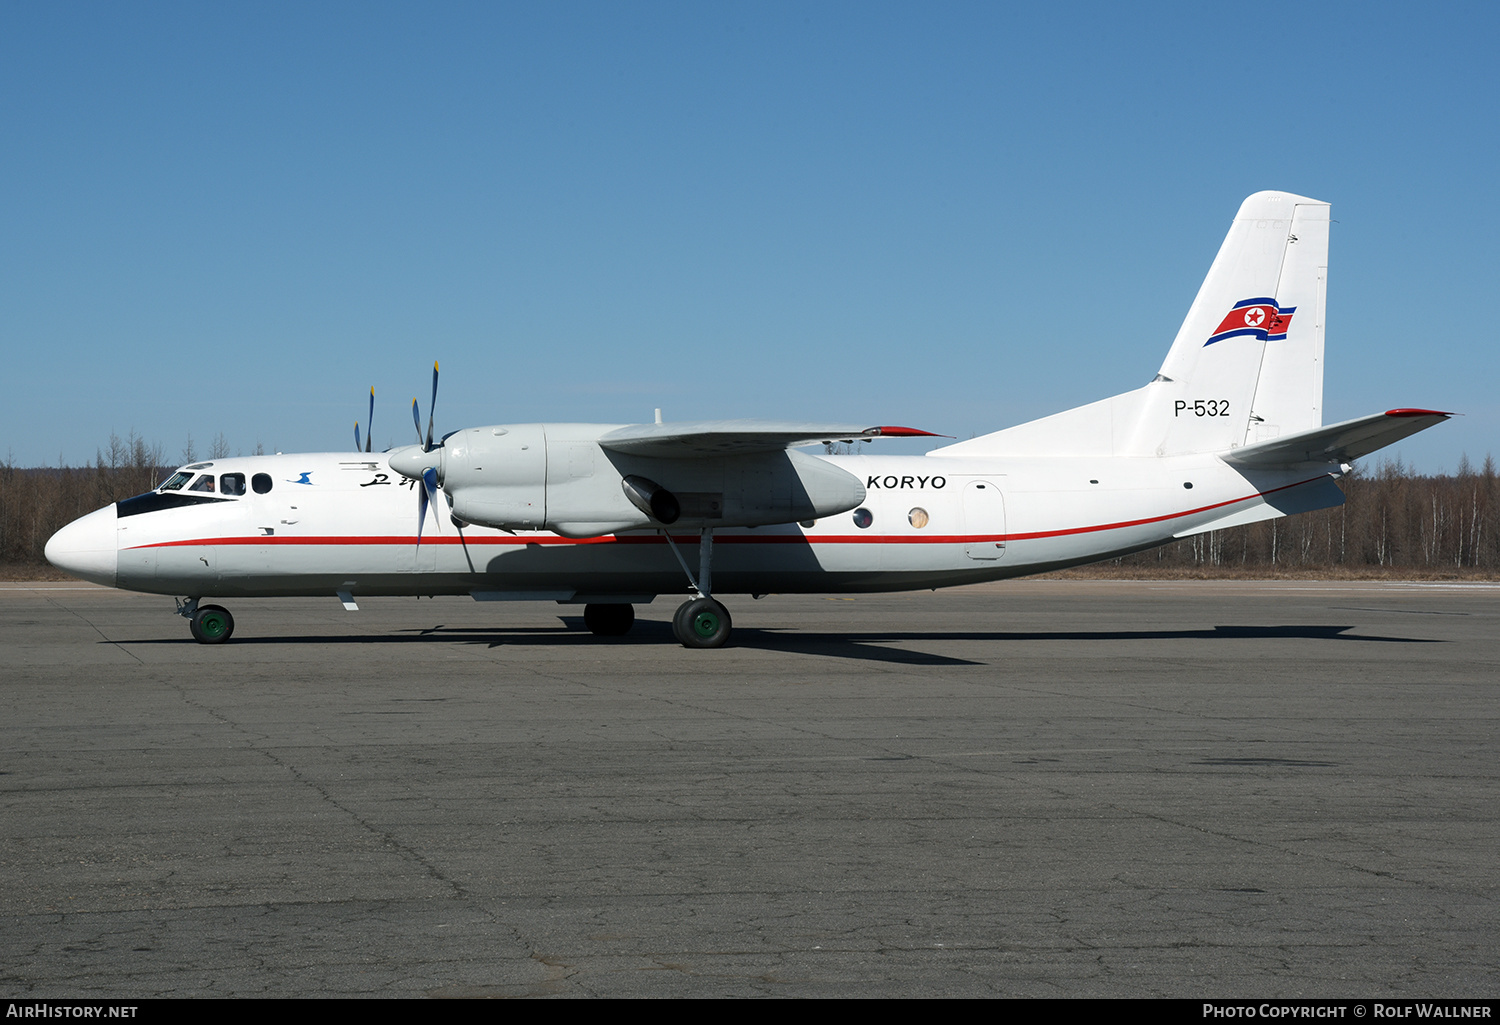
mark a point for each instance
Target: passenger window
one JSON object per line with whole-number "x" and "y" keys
{"x": 178, "y": 480}
{"x": 232, "y": 483}
{"x": 203, "y": 483}
{"x": 261, "y": 482}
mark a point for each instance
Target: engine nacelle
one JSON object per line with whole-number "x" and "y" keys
{"x": 557, "y": 477}
{"x": 497, "y": 476}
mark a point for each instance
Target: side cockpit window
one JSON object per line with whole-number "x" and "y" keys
{"x": 261, "y": 482}
{"x": 232, "y": 484}
{"x": 178, "y": 479}
{"x": 204, "y": 483}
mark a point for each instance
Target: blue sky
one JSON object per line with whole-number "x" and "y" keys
{"x": 236, "y": 218}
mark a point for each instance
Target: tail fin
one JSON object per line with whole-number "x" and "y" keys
{"x": 1247, "y": 363}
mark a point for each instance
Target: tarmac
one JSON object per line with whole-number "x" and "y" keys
{"x": 1037, "y": 788}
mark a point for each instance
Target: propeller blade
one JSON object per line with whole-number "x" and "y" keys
{"x": 421, "y": 513}
{"x": 356, "y": 435}
{"x": 369, "y": 425}
{"x": 416, "y": 419}
{"x": 431, "y": 408}
{"x": 426, "y": 496}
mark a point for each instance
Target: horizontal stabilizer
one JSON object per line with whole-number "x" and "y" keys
{"x": 1337, "y": 443}
{"x": 692, "y": 439}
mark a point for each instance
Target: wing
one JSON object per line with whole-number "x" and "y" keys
{"x": 1338, "y": 443}
{"x": 698, "y": 438}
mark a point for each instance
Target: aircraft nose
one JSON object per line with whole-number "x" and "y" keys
{"x": 87, "y": 547}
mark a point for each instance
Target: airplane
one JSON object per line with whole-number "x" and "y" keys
{"x": 1229, "y": 431}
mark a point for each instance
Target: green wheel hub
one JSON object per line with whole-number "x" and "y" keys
{"x": 211, "y": 624}
{"x": 701, "y": 623}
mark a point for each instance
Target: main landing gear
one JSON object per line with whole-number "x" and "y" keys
{"x": 609, "y": 620}
{"x": 210, "y": 624}
{"x": 700, "y": 622}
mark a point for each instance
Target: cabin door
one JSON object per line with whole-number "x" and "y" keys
{"x": 984, "y": 521}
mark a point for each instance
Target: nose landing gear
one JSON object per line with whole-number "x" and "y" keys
{"x": 210, "y": 624}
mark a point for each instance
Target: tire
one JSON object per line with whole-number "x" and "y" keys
{"x": 212, "y": 624}
{"x": 609, "y": 620}
{"x": 702, "y": 623}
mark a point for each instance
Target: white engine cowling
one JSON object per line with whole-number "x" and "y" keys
{"x": 557, "y": 477}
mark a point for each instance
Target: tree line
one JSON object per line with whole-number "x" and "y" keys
{"x": 1393, "y": 520}
{"x": 35, "y": 502}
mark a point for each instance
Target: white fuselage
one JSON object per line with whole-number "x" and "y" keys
{"x": 344, "y": 522}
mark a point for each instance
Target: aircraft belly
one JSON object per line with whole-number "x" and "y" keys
{"x": 629, "y": 565}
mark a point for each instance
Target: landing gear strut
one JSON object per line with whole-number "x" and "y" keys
{"x": 608, "y": 620}
{"x": 210, "y": 624}
{"x": 700, "y": 622}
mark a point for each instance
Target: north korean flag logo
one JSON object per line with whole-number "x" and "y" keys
{"x": 1260, "y": 318}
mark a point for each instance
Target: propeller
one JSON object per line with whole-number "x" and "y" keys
{"x": 369, "y": 425}
{"x": 424, "y": 472}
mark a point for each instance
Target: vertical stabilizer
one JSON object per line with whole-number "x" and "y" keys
{"x": 1247, "y": 364}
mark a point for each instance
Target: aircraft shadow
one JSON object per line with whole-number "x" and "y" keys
{"x": 1218, "y": 633}
{"x": 870, "y": 645}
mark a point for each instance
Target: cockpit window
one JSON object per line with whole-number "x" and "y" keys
{"x": 232, "y": 483}
{"x": 203, "y": 483}
{"x": 179, "y": 478}
{"x": 261, "y": 482}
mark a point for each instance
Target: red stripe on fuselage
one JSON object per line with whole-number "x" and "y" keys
{"x": 834, "y": 539}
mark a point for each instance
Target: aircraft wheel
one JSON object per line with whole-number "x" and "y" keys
{"x": 701, "y": 623}
{"x": 211, "y": 624}
{"x": 609, "y": 620}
